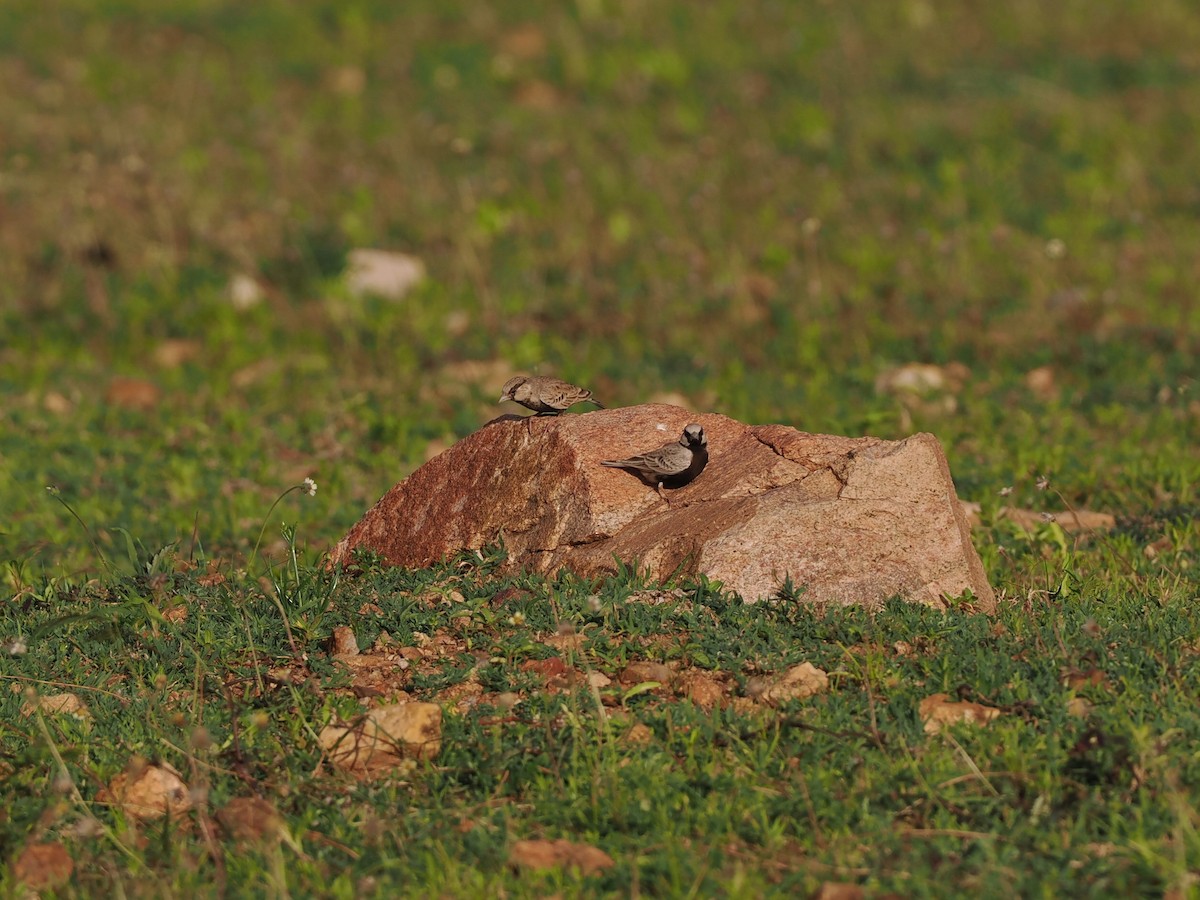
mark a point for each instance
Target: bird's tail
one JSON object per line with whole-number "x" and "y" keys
{"x": 613, "y": 463}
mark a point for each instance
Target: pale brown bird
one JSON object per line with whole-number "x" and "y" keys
{"x": 671, "y": 465}
{"x": 544, "y": 395}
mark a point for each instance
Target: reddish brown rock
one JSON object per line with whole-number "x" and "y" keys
{"x": 42, "y": 867}
{"x": 851, "y": 520}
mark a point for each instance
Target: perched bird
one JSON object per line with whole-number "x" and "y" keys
{"x": 672, "y": 465}
{"x": 545, "y": 396}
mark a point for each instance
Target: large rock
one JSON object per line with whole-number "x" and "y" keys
{"x": 851, "y": 520}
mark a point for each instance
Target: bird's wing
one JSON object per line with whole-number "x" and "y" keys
{"x": 669, "y": 460}
{"x": 560, "y": 392}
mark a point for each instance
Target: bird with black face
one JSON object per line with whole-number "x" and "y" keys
{"x": 671, "y": 465}
{"x": 544, "y": 395}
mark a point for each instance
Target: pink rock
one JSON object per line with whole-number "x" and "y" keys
{"x": 851, "y": 520}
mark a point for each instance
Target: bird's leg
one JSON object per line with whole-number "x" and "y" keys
{"x": 663, "y": 494}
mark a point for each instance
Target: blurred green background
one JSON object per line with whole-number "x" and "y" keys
{"x": 763, "y": 209}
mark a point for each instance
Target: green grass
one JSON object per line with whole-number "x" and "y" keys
{"x": 741, "y": 800}
{"x": 761, "y": 206}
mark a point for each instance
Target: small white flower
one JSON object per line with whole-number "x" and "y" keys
{"x": 1005, "y": 491}
{"x": 310, "y": 487}
{"x": 1047, "y": 517}
{"x": 517, "y": 618}
{"x": 1056, "y": 248}
{"x": 15, "y": 647}
{"x": 1043, "y": 482}
{"x": 593, "y": 603}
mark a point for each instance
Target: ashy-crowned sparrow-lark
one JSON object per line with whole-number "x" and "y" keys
{"x": 544, "y": 395}
{"x": 671, "y": 465}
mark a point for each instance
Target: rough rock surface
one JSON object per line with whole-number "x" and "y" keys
{"x": 851, "y": 520}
